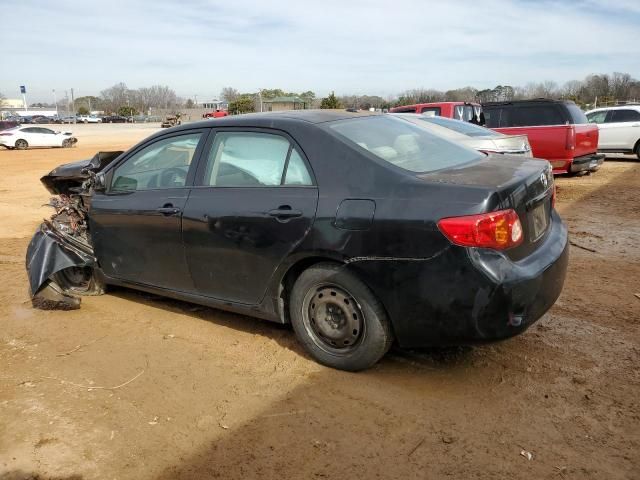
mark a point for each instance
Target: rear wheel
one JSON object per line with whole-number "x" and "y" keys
{"x": 22, "y": 144}
{"x": 637, "y": 151}
{"x": 337, "y": 318}
{"x": 79, "y": 281}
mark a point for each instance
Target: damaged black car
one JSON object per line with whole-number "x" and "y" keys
{"x": 358, "y": 229}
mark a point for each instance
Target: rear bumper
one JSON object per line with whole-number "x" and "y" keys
{"x": 465, "y": 296}
{"x": 587, "y": 162}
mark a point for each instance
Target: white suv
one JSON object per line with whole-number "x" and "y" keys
{"x": 619, "y": 128}
{"x": 88, "y": 119}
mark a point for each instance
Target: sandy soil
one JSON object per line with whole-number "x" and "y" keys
{"x": 216, "y": 395}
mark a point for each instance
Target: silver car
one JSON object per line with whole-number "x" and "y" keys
{"x": 471, "y": 135}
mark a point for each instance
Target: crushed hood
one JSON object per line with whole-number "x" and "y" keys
{"x": 62, "y": 179}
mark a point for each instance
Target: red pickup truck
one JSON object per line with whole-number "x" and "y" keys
{"x": 558, "y": 131}
{"x": 467, "y": 111}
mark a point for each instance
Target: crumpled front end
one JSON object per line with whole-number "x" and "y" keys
{"x": 63, "y": 242}
{"x": 50, "y": 252}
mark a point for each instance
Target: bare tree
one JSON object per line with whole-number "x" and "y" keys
{"x": 229, "y": 94}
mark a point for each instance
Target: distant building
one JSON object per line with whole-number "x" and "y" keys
{"x": 278, "y": 104}
{"x": 12, "y": 103}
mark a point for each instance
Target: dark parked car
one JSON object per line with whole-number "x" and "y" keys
{"x": 358, "y": 229}
{"x": 6, "y": 124}
{"x": 116, "y": 119}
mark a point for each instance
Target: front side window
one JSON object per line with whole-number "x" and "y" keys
{"x": 624, "y": 116}
{"x": 402, "y": 144}
{"x": 597, "y": 117}
{"x": 163, "y": 164}
{"x": 254, "y": 159}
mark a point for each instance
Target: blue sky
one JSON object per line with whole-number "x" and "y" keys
{"x": 350, "y": 46}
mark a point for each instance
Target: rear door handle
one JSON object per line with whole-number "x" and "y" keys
{"x": 284, "y": 212}
{"x": 168, "y": 210}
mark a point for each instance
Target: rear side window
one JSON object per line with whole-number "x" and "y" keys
{"x": 254, "y": 159}
{"x": 535, "y": 115}
{"x": 577, "y": 115}
{"x": 464, "y": 112}
{"x": 623, "y": 116}
{"x": 496, "y": 117}
{"x": 404, "y": 110}
{"x": 402, "y": 144}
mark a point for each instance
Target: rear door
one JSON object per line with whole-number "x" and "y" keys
{"x": 254, "y": 201}
{"x": 136, "y": 224}
{"x": 622, "y": 129}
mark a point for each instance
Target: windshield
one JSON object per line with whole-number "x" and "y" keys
{"x": 403, "y": 144}
{"x": 468, "y": 129}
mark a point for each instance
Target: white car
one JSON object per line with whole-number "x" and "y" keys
{"x": 471, "y": 135}
{"x": 24, "y": 137}
{"x": 619, "y": 128}
{"x": 88, "y": 119}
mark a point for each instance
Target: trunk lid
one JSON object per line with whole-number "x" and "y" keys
{"x": 523, "y": 184}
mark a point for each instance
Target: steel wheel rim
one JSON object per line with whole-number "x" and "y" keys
{"x": 333, "y": 319}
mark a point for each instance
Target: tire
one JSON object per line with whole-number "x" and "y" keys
{"x": 66, "y": 143}
{"x": 354, "y": 332}
{"x": 637, "y": 151}
{"x": 79, "y": 281}
{"x": 22, "y": 144}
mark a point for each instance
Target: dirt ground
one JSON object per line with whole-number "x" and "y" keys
{"x": 198, "y": 393}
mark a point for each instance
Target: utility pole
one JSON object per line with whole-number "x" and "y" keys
{"x": 73, "y": 106}
{"x": 55, "y": 101}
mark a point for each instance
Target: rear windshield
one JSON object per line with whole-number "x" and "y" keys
{"x": 403, "y": 144}
{"x": 430, "y": 111}
{"x": 468, "y": 129}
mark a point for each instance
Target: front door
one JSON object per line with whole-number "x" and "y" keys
{"x": 253, "y": 203}
{"x": 136, "y": 224}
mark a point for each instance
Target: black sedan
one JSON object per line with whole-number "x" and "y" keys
{"x": 116, "y": 119}
{"x": 358, "y": 229}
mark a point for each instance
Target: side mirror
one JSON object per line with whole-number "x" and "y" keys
{"x": 100, "y": 184}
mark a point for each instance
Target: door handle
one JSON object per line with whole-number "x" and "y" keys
{"x": 284, "y": 212}
{"x": 168, "y": 209}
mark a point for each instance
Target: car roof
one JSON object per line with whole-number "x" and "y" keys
{"x": 616, "y": 107}
{"x": 306, "y": 116}
{"x": 530, "y": 101}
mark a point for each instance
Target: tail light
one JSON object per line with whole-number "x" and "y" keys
{"x": 571, "y": 138}
{"x": 498, "y": 230}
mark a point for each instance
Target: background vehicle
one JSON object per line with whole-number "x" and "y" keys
{"x": 466, "y": 111}
{"x": 558, "y": 131}
{"x": 116, "y": 119}
{"x": 316, "y": 218}
{"x": 217, "y": 114}
{"x": 88, "y": 119}
{"x": 6, "y": 124}
{"x": 27, "y": 136}
{"x": 619, "y": 128}
{"x": 171, "y": 120}
{"x": 473, "y": 136}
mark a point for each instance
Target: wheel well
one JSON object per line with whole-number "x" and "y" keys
{"x": 636, "y": 146}
{"x": 286, "y": 285}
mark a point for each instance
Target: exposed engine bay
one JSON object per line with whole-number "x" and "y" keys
{"x": 60, "y": 261}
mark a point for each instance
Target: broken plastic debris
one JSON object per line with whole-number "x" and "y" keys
{"x": 527, "y": 455}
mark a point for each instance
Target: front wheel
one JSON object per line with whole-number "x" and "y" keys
{"x": 79, "y": 281}
{"x": 22, "y": 144}
{"x": 638, "y": 149}
{"x": 337, "y": 318}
